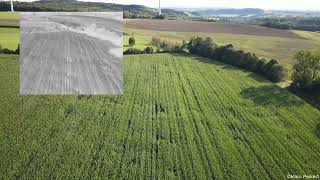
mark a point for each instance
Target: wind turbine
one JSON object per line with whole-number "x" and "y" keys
{"x": 159, "y": 8}
{"x": 11, "y": 6}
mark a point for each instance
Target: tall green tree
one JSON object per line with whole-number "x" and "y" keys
{"x": 306, "y": 69}
{"x": 132, "y": 41}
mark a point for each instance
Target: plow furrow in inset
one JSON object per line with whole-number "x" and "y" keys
{"x": 64, "y": 53}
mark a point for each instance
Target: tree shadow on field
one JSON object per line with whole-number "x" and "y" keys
{"x": 206, "y": 60}
{"x": 224, "y": 66}
{"x": 317, "y": 129}
{"x": 258, "y": 77}
{"x": 271, "y": 95}
{"x": 230, "y": 67}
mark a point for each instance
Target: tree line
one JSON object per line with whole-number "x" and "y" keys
{"x": 162, "y": 46}
{"x": 287, "y": 23}
{"x": 305, "y": 75}
{"x": 9, "y": 51}
{"x": 147, "y": 50}
{"x": 205, "y": 47}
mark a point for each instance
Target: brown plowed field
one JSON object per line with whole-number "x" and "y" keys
{"x": 194, "y": 26}
{"x": 9, "y": 20}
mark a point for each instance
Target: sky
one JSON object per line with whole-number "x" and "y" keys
{"x": 263, "y": 4}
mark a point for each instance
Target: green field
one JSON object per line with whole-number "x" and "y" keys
{"x": 141, "y": 42}
{"x": 9, "y": 38}
{"x": 282, "y": 49}
{"x": 314, "y": 36}
{"x": 9, "y": 19}
{"x": 9, "y": 15}
{"x": 180, "y": 116}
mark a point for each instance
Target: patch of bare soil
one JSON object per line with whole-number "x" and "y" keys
{"x": 196, "y": 26}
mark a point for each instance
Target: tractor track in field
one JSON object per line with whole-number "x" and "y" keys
{"x": 69, "y": 53}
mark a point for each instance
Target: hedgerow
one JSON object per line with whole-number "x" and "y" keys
{"x": 272, "y": 70}
{"x": 9, "y": 51}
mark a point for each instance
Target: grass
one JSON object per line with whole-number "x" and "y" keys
{"x": 314, "y": 36}
{"x": 282, "y": 49}
{"x": 141, "y": 42}
{"x": 9, "y": 19}
{"x": 9, "y": 15}
{"x": 9, "y": 35}
{"x": 179, "y": 117}
{"x": 9, "y": 38}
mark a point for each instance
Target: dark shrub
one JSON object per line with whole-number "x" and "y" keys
{"x": 149, "y": 50}
{"x": 17, "y": 51}
{"x": 133, "y": 51}
{"x": 132, "y": 41}
{"x": 267, "y": 68}
{"x": 317, "y": 130}
{"x": 160, "y": 17}
{"x": 260, "y": 65}
{"x": 277, "y": 73}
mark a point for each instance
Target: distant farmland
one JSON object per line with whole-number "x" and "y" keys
{"x": 9, "y": 19}
{"x": 9, "y": 37}
{"x": 279, "y": 48}
{"x": 180, "y": 117}
{"x": 194, "y": 26}
{"x": 9, "y": 30}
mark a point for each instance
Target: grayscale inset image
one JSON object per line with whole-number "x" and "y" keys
{"x": 71, "y": 53}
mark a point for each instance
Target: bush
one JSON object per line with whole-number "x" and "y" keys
{"x": 277, "y": 73}
{"x": 260, "y": 65}
{"x": 132, "y": 41}
{"x": 149, "y": 50}
{"x": 159, "y": 17}
{"x": 17, "y": 51}
{"x": 317, "y": 130}
{"x": 9, "y": 51}
{"x": 133, "y": 51}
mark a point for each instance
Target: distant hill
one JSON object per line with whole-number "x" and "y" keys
{"x": 221, "y": 12}
{"x": 249, "y": 12}
{"x": 130, "y": 11}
